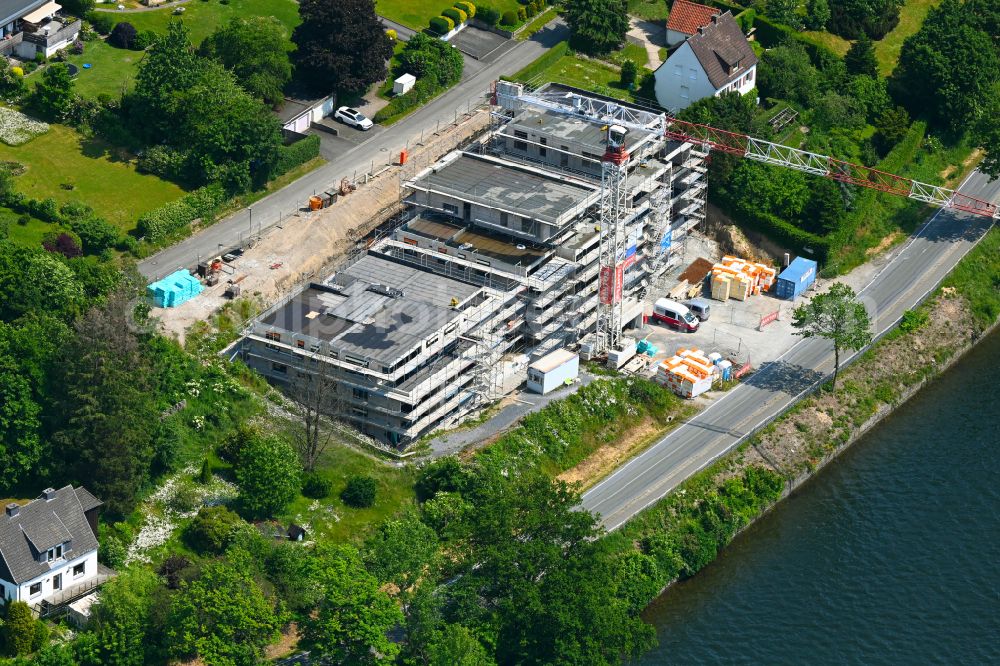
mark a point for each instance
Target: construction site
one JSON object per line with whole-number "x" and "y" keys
{"x": 547, "y": 232}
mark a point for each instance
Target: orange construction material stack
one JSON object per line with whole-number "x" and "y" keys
{"x": 315, "y": 203}
{"x": 745, "y": 278}
{"x": 689, "y": 373}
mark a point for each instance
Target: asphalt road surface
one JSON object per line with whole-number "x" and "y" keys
{"x": 901, "y": 284}
{"x": 380, "y": 146}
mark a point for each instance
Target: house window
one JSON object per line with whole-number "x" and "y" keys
{"x": 520, "y": 145}
{"x": 678, "y": 71}
{"x": 542, "y": 152}
{"x": 279, "y": 367}
{"x": 57, "y": 582}
{"x": 450, "y": 208}
{"x": 692, "y": 73}
{"x": 504, "y": 219}
{"x": 79, "y": 569}
{"x": 35, "y": 590}
{"x": 301, "y": 344}
{"x": 359, "y": 394}
{"x": 271, "y": 335}
{"x": 685, "y": 92}
{"x": 520, "y": 135}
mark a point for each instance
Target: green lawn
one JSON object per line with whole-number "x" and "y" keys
{"x": 98, "y": 175}
{"x": 633, "y": 52}
{"x": 30, "y": 234}
{"x": 650, "y": 10}
{"x": 416, "y": 13}
{"x": 329, "y": 518}
{"x": 110, "y": 69}
{"x": 113, "y": 68}
{"x": 558, "y": 65}
{"x": 202, "y": 17}
{"x": 835, "y": 43}
{"x": 911, "y": 17}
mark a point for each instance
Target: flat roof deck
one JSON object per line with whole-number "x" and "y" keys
{"x": 509, "y": 250}
{"x": 505, "y": 185}
{"x": 568, "y": 128}
{"x": 357, "y": 314}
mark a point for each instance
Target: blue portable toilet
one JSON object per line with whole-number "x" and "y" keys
{"x": 795, "y": 279}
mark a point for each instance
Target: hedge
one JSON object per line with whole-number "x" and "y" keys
{"x": 745, "y": 19}
{"x": 771, "y": 34}
{"x": 442, "y": 25}
{"x": 543, "y": 63}
{"x": 489, "y": 15}
{"x": 787, "y": 234}
{"x": 467, "y": 7}
{"x": 456, "y": 15}
{"x": 422, "y": 91}
{"x": 175, "y": 215}
{"x": 297, "y": 153}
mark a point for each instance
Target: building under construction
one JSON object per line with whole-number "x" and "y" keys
{"x": 502, "y": 251}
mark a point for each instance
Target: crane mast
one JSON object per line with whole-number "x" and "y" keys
{"x": 614, "y": 203}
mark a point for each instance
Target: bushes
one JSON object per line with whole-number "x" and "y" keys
{"x": 436, "y": 65}
{"x": 123, "y": 35}
{"x": 456, "y": 15}
{"x": 175, "y": 215}
{"x": 488, "y": 15}
{"x": 294, "y": 155}
{"x": 360, "y": 492}
{"x": 467, "y": 7}
{"x": 211, "y": 529}
{"x": 509, "y": 18}
{"x": 101, "y": 22}
{"x": 315, "y": 486}
{"x": 442, "y": 25}
{"x": 96, "y": 234}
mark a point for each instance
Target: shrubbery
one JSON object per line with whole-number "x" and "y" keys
{"x": 467, "y": 7}
{"x": 316, "y": 486}
{"x": 456, "y": 15}
{"x": 101, "y": 22}
{"x": 211, "y": 529}
{"x": 509, "y": 18}
{"x": 294, "y": 155}
{"x": 442, "y": 25}
{"x": 360, "y": 492}
{"x": 175, "y": 215}
{"x": 123, "y": 36}
{"x": 436, "y": 65}
{"x": 488, "y": 15}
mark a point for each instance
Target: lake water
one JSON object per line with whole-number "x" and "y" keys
{"x": 891, "y": 555}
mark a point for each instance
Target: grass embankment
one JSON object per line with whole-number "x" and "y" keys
{"x": 911, "y": 17}
{"x": 685, "y": 531}
{"x": 65, "y": 165}
{"x": 608, "y": 416}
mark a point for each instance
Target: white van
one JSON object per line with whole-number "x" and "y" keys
{"x": 674, "y": 314}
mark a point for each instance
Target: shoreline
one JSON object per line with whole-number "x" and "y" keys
{"x": 688, "y": 529}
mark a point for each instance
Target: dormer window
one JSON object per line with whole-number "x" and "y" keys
{"x": 53, "y": 554}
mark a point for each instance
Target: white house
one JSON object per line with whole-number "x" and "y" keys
{"x": 28, "y": 27}
{"x": 715, "y": 60}
{"x": 685, "y": 19}
{"x": 48, "y": 547}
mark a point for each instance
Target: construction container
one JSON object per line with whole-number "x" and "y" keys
{"x": 553, "y": 370}
{"x": 795, "y": 279}
{"x": 176, "y": 288}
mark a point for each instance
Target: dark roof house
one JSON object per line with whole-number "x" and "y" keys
{"x": 66, "y": 517}
{"x": 722, "y": 49}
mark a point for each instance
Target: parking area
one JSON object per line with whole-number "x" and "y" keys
{"x": 347, "y": 137}
{"x": 481, "y": 44}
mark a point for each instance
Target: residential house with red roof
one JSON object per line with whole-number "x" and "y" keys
{"x": 685, "y": 19}
{"x": 715, "y": 60}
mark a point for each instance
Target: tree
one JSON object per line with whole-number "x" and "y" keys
{"x": 222, "y": 617}
{"x": 947, "y": 69}
{"x": 268, "y": 474}
{"x": 597, "y": 26}
{"x": 784, "y": 12}
{"x": 19, "y": 629}
{"x": 316, "y": 395}
{"x": 359, "y": 492}
{"x": 399, "y": 550}
{"x": 212, "y": 528}
{"x": 122, "y": 621}
{"x": 986, "y": 134}
{"x": 836, "y": 316}
{"x": 342, "y": 46}
{"x": 353, "y": 618}
{"x": 817, "y": 14}
{"x": 104, "y": 413}
{"x": 255, "y": 50}
{"x": 123, "y": 35}
{"x": 454, "y": 645}
{"x": 891, "y": 126}
{"x": 442, "y": 475}
{"x": 860, "y": 59}
{"x": 786, "y": 73}
{"x": 21, "y": 447}
{"x": 167, "y": 69}
{"x": 852, "y": 18}
{"x": 428, "y": 57}
{"x": 32, "y": 280}
{"x": 629, "y": 73}
{"x": 78, "y": 8}
{"x": 53, "y": 95}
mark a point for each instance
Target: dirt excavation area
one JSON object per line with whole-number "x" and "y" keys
{"x": 866, "y": 391}
{"x": 311, "y": 243}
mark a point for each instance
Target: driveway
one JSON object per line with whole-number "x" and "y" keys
{"x": 482, "y": 44}
{"x": 651, "y": 35}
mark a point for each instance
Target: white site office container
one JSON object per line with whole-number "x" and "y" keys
{"x": 551, "y": 371}
{"x": 402, "y": 85}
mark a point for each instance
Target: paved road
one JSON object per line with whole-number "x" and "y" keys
{"x": 902, "y": 283}
{"x": 379, "y": 147}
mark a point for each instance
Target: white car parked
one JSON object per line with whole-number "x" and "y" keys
{"x": 354, "y": 118}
